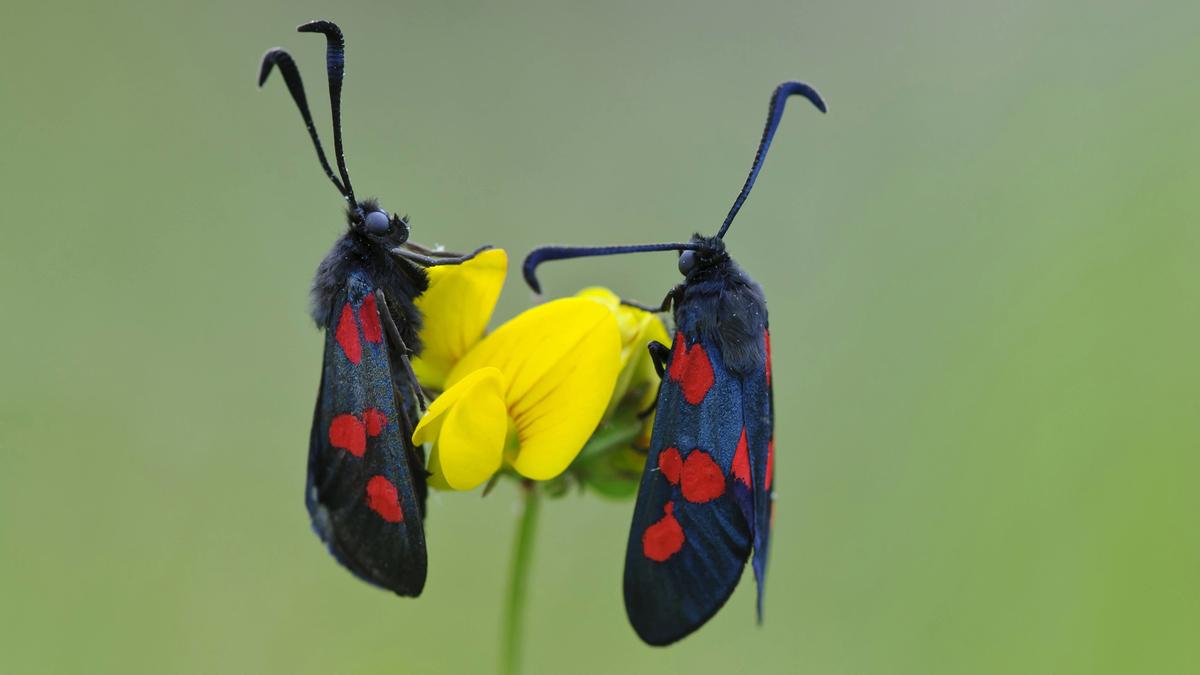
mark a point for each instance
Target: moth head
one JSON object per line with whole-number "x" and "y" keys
{"x": 372, "y": 220}
{"x": 708, "y": 252}
{"x": 365, "y": 217}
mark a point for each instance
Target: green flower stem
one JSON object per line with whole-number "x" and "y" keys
{"x": 518, "y": 574}
{"x": 618, "y": 433}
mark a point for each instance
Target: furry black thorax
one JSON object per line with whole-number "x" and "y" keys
{"x": 401, "y": 281}
{"x": 725, "y": 306}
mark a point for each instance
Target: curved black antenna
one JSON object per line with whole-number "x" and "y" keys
{"x": 774, "y": 114}
{"x": 546, "y": 253}
{"x": 335, "y": 64}
{"x": 291, "y": 76}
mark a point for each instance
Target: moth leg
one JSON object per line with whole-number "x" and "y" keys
{"x": 431, "y": 252}
{"x": 434, "y": 259}
{"x": 425, "y": 250}
{"x": 637, "y": 305}
{"x": 403, "y": 411}
{"x": 658, "y": 354}
{"x": 416, "y": 455}
{"x": 667, "y": 303}
{"x": 402, "y": 350}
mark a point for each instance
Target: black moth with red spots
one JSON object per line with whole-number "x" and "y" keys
{"x": 706, "y": 484}
{"x": 705, "y": 500}
{"x": 366, "y": 485}
{"x": 366, "y": 480}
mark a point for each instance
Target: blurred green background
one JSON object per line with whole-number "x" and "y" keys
{"x": 982, "y": 274}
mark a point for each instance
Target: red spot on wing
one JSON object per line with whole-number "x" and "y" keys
{"x": 670, "y": 463}
{"x": 664, "y": 538}
{"x": 692, "y": 369}
{"x": 767, "y": 339}
{"x": 741, "y": 460}
{"x": 701, "y": 480}
{"x": 383, "y": 499}
{"x": 678, "y": 358}
{"x": 375, "y": 421}
{"x": 347, "y": 432}
{"x": 347, "y": 335}
{"x": 368, "y": 315}
{"x": 770, "y": 463}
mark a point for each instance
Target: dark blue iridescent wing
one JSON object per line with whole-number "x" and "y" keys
{"x": 759, "y": 404}
{"x": 693, "y": 523}
{"x": 361, "y": 493}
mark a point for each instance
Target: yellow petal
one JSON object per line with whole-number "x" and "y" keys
{"x": 643, "y": 377}
{"x": 638, "y": 328}
{"x": 467, "y": 425}
{"x": 457, "y": 308}
{"x": 560, "y": 361}
{"x": 626, "y": 322}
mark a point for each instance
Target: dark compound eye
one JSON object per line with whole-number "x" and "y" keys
{"x": 377, "y": 222}
{"x": 687, "y": 261}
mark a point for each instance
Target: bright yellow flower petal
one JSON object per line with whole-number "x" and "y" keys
{"x": 467, "y": 425}
{"x": 560, "y": 361}
{"x": 627, "y": 320}
{"x": 457, "y": 308}
{"x": 638, "y": 328}
{"x": 640, "y": 368}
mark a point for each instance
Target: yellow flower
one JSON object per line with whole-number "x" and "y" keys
{"x": 457, "y": 308}
{"x": 545, "y": 378}
{"x": 465, "y": 424}
{"x": 638, "y": 378}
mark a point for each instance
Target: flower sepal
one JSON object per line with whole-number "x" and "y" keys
{"x": 611, "y": 463}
